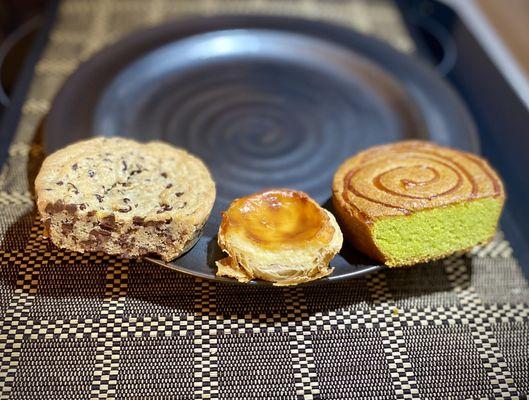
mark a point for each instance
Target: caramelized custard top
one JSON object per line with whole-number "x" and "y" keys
{"x": 278, "y": 218}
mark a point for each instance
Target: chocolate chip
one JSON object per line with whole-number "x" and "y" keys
{"x": 108, "y": 223}
{"x": 60, "y": 183}
{"x": 179, "y": 194}
{"x": 99, "y": 232}
{"x": 125, "y": 209}
{"x": 75, "y": 166}
{"x": 82, "y": 206}
{"x": 141, "y": 222}
{"x": 73, "y": 187}
{"x": 124, "y": 165}
{"x": 169, "y": 186}
{"x": 70, "y": 208}
{"x": 60, "y": 206}
{"x": 53, "y": 208}
{"x": 67, "y": 228}
{"x": 91, "y": 173}
{"x": 99, "y": 198}
{"x": 164, "y": 174}
{"x": 126, "y": 200}
{"x": 164, "y": 207}
{"x": 168, "y": 221}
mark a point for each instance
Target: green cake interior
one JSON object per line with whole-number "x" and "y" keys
{"x": 436, "y": 232}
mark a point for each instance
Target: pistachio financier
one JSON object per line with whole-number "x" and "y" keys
{"x": 123, "y": 197}
{"x": 415, "y": 201}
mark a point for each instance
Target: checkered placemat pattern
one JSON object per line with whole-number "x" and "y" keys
{"x": 78, "y": 326}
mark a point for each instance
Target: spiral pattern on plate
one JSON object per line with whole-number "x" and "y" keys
{"x": 410, "y": 176}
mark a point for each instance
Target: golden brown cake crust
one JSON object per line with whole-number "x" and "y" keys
{"x": 402, "y": 178}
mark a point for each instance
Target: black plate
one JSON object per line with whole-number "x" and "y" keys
{"x": 264, "y": 101}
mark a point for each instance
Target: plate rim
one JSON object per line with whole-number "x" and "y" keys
{"x": 262, "y": 283}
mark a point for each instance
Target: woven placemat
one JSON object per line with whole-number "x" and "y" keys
{"x": 93, "y": 326}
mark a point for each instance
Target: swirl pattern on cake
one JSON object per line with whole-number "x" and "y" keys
{"x": 411, "y": 176}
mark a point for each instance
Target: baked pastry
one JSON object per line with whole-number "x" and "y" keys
{"x": 415, "y": 201}
{"x": 122, "y": 197}
{"x": 278, "y": 235}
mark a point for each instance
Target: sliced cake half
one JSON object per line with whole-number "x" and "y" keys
{"x": 415, "y": 201}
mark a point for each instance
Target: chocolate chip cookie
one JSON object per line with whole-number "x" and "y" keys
{"x": 123, "y": 197}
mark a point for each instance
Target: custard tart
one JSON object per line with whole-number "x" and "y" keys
{"x": 278, "y": 235}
